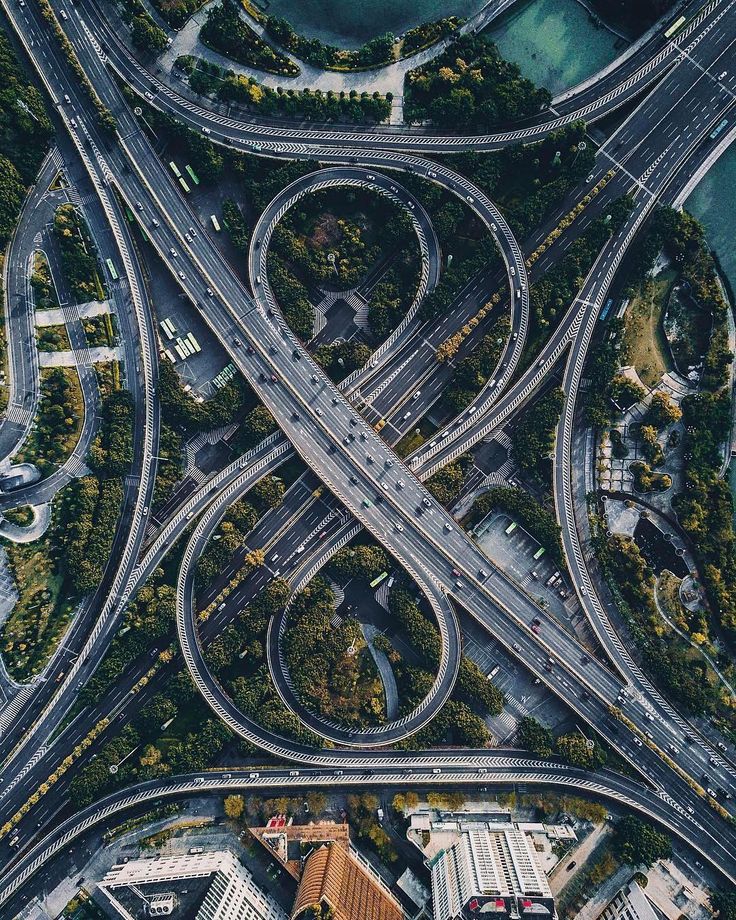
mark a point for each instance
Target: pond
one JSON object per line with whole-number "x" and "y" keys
{"x": 348, "y": 24}
{"x": 555, "y": 43}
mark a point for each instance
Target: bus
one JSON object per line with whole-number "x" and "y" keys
{"x": 378, "y": 579}
{"x": 606, "y": 310}
{"x": 111, "y": 269}
{"x": 175, "y": 169}
{"x": 719, "y": 130}
{"x": 183, "y": 184}
{"x": 380, "y": 424}
{"x": 510, "y": 529}
{"x": 215, "y": 223}
{"x": 192, "y": 175}
{"x": 675, "y": 27}
{"x": 193, "y": 342}
{"x": 539, "y": 553}
{"x": 167, "y": 332}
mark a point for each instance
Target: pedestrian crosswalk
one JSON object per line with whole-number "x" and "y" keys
{"x": 9, "y": 712}
{"x": 75, "y": 466}
{"x": 18, "y": 415}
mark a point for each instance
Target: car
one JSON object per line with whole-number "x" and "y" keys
{"x": 370, "y": 176}
{"x": 173, "y": 252}
{"x": 389, "y": 463}
{"x": 590, "y": 178}
{"x": 182, "y": 276}
{"x": 437, "y": 770}
{"x": 638, "y": 742}
{"x": 188, "y": 237}
{"x": 296, "y": 355}
{"x": 571, "y": 866}
{"x": 721, "y": 746}
{"x": 64, "y": 15}
{"x": 274, "y": 378}
{"x": 236, "y": 341}
{"x": 315, "y": 378}
{"x": 690, "y": 810}
{"x": 67, "y": 99}
{"x": 210, "y": 292}
{"x": 399, "y": 483}
{"x": 399, "y": 527}
{"x": 458, "y": 585}
{"x": 512, "y": 270}
{"x": 254, "y": 775}
{"x": 417, "y": 394}
{"x": 155, "y": 223}
{"x": 354, "y": 479}
{"x": 192, "y": 231}
{"x": 448, "y": 527}
{"x": 295, "y": 415}
{"x": 318, "y": 411}
{"x": 339, "y": 772}
{"x": 384, "y": 486}
{"x": 427, "y": 503}
{"x": 148, "y": 95}
{"x": 516, "y": 647}
{"x": 547, "y": 666}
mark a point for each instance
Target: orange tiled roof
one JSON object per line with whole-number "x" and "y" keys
{"x": 334, "y": 877}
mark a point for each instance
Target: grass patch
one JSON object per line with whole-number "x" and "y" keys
{"x": 41, "y": 615}
{"x": 99, "y": 331}
{"x": 414, "y": 439}
{"x": 44, "y": 293}
{"x": 58, "y": 420}
{"x": 22, "y": 516}
{"x": 53, "y": 338}
{"x": 108, "y": 377}
{"x": 644, "y": 338}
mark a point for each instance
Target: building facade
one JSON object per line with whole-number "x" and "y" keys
{"x": 231, "y": 895}
{"x": 491, "y": 871}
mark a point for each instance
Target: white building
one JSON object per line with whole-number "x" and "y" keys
{"x": 232, "y": 894}
{"x": 629, "y": 903}
{"x": 491, "y": 871}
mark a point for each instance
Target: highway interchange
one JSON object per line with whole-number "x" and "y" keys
{"x": 662, "y": 140}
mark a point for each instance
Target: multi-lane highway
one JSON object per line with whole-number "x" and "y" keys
{"x": 370, "y": 481}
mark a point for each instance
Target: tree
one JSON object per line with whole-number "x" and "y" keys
{"x": 723, "y": 903}
{"x": 267, "y": 493}
{"x": 147, "y": 35}
{"x": 638, "y": 843}
{"x": 533, "y": 736}
{"x": 234, "y": 806}
{"x": 662, "y": 411}
{"x": 576, "y": 750}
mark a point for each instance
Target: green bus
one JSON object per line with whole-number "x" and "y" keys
{"x": 192, "y": 175}
{"x": 175, "y": 169}
{"x": 378, "y": 579}
{"x": 675, "y": 27}
{"x": 111, "y": 269}
{"x": 539, "y": 553}
{"x": 510, "y": 529}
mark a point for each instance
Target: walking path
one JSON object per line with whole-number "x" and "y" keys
{"x": 386, "y": 79}
{"x": 388, "y": 679}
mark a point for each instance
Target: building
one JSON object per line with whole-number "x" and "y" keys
{"x": 629, "y": 903}
{"x": 490, "y": 871}
{"x": 156, "y": 887}
{"x": 335, "y": 879}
